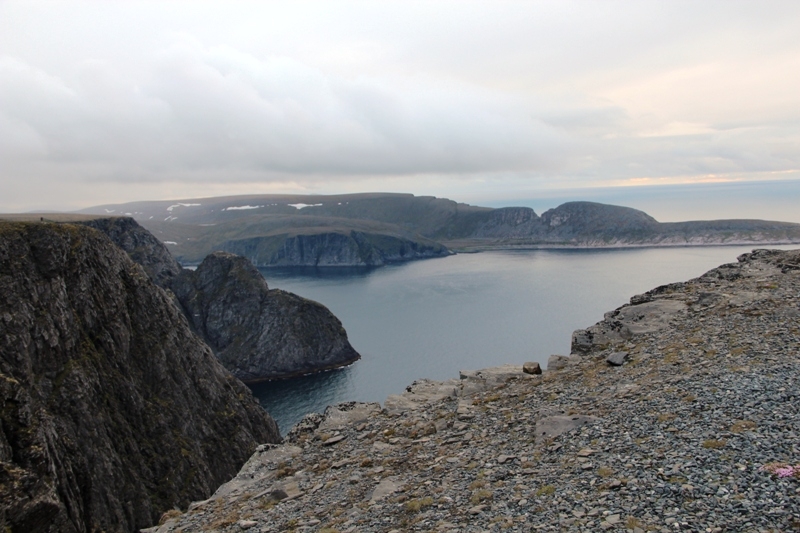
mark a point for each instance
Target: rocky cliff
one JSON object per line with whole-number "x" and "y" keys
{"x": 325, "y": 249}
{"x": 259, "y": 333}
{"x": 113, "y": 411}
{"x": 141, "y": 246}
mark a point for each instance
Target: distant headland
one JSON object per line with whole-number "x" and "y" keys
{"x": 373, "y": 229}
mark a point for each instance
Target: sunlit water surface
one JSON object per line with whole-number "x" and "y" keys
{"x": 432, "y": 318}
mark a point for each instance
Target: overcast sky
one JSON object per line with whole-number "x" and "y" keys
{"x": 482, "y": 102}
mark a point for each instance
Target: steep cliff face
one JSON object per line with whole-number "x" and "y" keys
{"x": 141, "y": 246}
{"x": 325, "y": 249}
{"x": 113, "y": 411}
{"x": 258, "y": 333}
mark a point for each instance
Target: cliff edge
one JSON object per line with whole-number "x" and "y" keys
{"x": 113, "y": 411}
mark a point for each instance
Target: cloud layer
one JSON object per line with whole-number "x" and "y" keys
{"x": 156, "y": 100}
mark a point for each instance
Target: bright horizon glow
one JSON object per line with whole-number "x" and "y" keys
{"x": 471, "y": 100}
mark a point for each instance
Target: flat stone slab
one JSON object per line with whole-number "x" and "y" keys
{"x": 345, "y": 415}
{"x": 386, "y": 487}
{"x": 625, "y": 322}
{"x": 420, "y": 393}
{"x": 553, "y": 426}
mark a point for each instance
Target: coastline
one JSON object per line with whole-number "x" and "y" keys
{"x": 676, "y": 437}
{"x": 478, "y": 247}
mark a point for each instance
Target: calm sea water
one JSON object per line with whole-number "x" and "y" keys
{"x": 435, "y": 317}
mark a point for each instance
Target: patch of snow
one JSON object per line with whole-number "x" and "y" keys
{"x": 301, "y": 206}
{"x": 170, "y": 218}
{"x": 170, "y": 208}
{"x": 240, "y": 207}
{"x": 128, "y": 215}
{"x": 151, "y": 217}
{"x": 171, "y": 242}
{"x": 207, "y": 224}
{"x": 108, "y": 210}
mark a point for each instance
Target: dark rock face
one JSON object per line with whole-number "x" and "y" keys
{"x": 258, "y": 333}
{"x": 141, "y": 246}
{"x": 113, "y": 411}
{"x": 333, "y": 249}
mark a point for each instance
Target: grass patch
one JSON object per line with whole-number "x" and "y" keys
{"x": 417, "y": 505}
{"x": 605, "y": 471}
{"x": 545, "y": 490}
{"x": 481, "y": 495}
{"x": 741, "y": 426}
{"x": 632, "y": 523}
{"x": 169, "y": 515}
{"x": 714, "y": 444}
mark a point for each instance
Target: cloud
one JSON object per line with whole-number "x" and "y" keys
{"x": 204, "y": 108}
{"x": 420, "y": 97}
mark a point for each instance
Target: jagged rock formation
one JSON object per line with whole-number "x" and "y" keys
{"x": 676, "y": 418}
{"x": 258, "y": 333}
{"x": 112, "y": 410}
{"x": 324, "y": 249}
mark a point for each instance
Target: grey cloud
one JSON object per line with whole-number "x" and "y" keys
{"x": 219, "y": 108}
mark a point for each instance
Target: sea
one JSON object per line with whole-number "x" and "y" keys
{"x": 433, "y": 318}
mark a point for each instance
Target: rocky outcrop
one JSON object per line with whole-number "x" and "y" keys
{"x": 258, "y": 333}
{"x": 141, "y": 246}
{"x": 112, "y": 410}
{"x": 333, "y": 249}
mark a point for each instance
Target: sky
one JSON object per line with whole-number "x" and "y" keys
{"x": 688, "y": 107}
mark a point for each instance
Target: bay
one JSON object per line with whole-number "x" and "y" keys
{"x": 432, "y": 318}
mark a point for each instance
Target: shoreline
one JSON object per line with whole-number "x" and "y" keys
{"x": 545, "y": 246}
{"x": 662, "y": 419}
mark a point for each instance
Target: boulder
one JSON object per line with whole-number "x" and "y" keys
{"x": 532, "y": 368}
{"x": 617, "y": 358}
